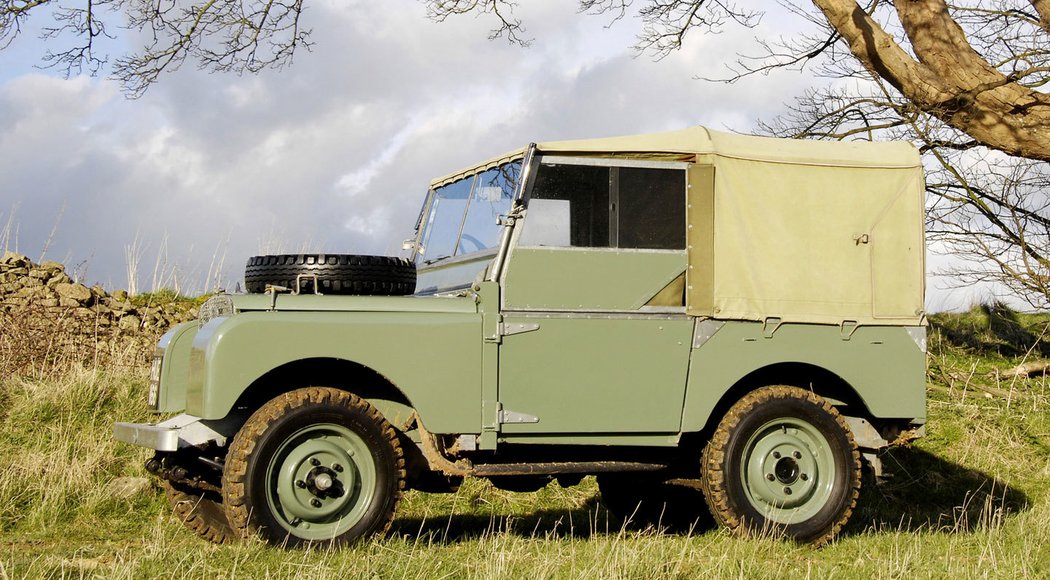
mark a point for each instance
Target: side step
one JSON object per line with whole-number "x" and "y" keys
{"x": 562, "y": 468}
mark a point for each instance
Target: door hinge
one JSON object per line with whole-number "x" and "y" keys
{"x": 518, "y": 328}
{"x": 506, "y": 416}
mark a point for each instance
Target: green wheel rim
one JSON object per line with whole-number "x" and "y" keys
{"x": 321, "y": 481}
{"x": 788, "y": 470}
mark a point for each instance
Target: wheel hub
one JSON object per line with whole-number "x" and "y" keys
{"x": 788, "y": 470}
{"x": 324, "y": 482}
{"x": 318, "y": 482}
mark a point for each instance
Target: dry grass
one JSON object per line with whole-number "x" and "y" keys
{"x": 970, "y": 500}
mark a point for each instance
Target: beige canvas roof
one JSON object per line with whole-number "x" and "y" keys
{"x": 701, "y": 140}
{"x": 801, "y": 231}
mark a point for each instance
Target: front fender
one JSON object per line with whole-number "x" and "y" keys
{"x": 434, "y": 358}
{"x": 174, "y": 349}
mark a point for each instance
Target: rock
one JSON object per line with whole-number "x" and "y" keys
{"x": 118, "y": 305}
{"x": 77, "y": 292}
{"x": 59, "y": 278}
{"x": 130, "y": 322}
{"x": 120, "y": 296}
{"x": 68, "y": 302}
{"x": 127, "y": 487}
{"x": 30, "y": 292}
{"x": 52, "y": 266}
{"x": 14, "y": 259}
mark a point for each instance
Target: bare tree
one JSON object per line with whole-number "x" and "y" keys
{"x": 962, "y": 81}
{"x": 217, "y": 35}
{"x": 922, "y": 48}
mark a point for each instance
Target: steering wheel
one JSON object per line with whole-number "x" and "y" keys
{"x": 478, "y": 244}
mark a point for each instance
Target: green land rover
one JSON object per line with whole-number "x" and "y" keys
{"x": 741, "y": 315}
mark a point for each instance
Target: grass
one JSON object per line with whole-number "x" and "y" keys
{"x": 972, "y": 499}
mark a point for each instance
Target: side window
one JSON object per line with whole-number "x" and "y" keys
{"x": 651, "y": 209}
{"x": 599, "y": 206}
{"x": 569, "y": 206}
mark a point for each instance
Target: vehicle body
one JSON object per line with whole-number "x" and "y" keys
{"x": 743, "y": 312}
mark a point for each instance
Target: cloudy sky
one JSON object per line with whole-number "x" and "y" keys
{"x": 333, "y": 153}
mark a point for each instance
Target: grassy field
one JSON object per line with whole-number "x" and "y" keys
{"x": 972, "y": 499}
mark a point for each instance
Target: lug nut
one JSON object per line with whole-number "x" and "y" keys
{"x": 300, "y": 483}
{"x": 337, "y": 467}
{"x": 315, "y": 502}
{"x": 804, "y": 477}
{"x": 776, "y": 455}
{"x": 797, "y": 455}
{"x": 770, "y": 477}
{"x": 787, "y": 490}
{"x": 314, "y": 461}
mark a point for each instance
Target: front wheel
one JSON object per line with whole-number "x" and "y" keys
{"x": 316, "y": 465}
{"x": 782, "y": 460}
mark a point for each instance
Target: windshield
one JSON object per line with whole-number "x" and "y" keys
{"x": 463, "y": 216}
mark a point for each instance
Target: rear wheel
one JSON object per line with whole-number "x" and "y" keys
{"x": 200, "y": 511}
{"x": 316, "y": 465}
{"x": 783, "y": 461}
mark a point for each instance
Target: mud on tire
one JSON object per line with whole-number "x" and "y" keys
{"x": 782, "y": 461}
{"x": 314, "y": 466}
{"x": 335, "y": 273}
{"x": 200, "y": 511}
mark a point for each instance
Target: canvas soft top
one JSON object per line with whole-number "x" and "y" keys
{"x": 789, "y": 230}
{"x": 693, "y": 141}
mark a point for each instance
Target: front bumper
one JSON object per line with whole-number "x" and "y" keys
{"x": 173, "y": 434}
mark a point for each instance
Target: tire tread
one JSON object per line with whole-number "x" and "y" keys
{"x": 714, "y": 480}
{"x": 236, "y": 473}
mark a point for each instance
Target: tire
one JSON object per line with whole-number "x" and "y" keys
{"x": 782, "y": 461}
{"x": 336, "y": 274}
{"x": 643, "y": 502}
{"x": 200, "y": 511}
{"x": 314, "y": 466}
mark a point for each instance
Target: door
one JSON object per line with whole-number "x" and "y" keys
{"x": 596, "y": 339}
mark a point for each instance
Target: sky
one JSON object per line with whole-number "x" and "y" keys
{"x": 334, "y": 153}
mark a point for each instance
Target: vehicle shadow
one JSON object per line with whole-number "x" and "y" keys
{"x": 926, "y": 493}
{"x": 580, "y": 523}
{"x": 929, "y": 493}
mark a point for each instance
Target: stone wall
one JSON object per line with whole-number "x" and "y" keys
{"x": 48, "y": 321}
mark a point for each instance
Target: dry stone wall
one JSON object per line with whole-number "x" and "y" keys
{"x": 48, "y": 321}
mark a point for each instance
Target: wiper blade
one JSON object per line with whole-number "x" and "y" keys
{"x": 435, "y": 260}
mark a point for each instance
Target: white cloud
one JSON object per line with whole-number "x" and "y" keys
{"x": 334, "y": 153}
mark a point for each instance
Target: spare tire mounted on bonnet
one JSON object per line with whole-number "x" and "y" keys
{"x": 334, "y": 274}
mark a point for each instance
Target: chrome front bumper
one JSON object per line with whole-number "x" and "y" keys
{"x": 170, "y": 435}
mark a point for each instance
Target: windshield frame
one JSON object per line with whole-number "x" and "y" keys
{"x": 462, "y": 218}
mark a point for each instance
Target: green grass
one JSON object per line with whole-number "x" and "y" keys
{"x": 972, "y": 499}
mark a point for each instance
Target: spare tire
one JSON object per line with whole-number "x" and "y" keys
{"x": 336, "y": 274}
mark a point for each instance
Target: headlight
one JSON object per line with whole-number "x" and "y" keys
{"x": 153, "y": 397}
